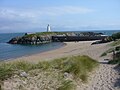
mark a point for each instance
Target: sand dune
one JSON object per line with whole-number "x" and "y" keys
{"x": 104, "y": 78}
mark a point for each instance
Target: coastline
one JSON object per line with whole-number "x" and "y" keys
{"x": 70, "y": 48}
{"x": 20, "y": 51}
{"x": 102, "y": 78}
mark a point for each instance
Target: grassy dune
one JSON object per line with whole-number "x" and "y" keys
{"x": 115, "y": 43}
{"x": 63, "y": 72}
{"x": 113, "y": 48}
{"x": 107, "y": 51}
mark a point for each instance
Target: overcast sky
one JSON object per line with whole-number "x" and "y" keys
{"x": 34, "y": 15}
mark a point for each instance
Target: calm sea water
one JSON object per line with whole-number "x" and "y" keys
{"x": 9, "y": 51}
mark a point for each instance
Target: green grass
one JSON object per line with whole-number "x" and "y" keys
{"x": 116, "y": 61}
{"x": 103, "y": 54}
{"x": 45, "y": 33}
{"x": 5, "y": 71}
{"x": 110, "y": 50}
{"x": 23, "y": 65}
{"x": 78, "y": 66}
{"x": 115, "y": 43}
{"x": 49, "y": 33}
{"x": 106, "y": 52}
{"x": 116, "y": 35}
{"x": 67, "y": 85}
{"x": 113, "y": 62}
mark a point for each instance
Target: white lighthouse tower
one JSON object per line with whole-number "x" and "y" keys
{"x": 48, "y": 28}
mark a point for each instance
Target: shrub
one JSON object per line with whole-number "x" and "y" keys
{"x": 103, "y": 54}
{"x": 116, "y": 36}
{"x": 113, "y": 62}
{"x": 115, "y": 43}
{"x": 106, "y": 52}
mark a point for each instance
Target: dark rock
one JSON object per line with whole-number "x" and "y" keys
{"x": 14, "y": 40}
{"x": 31, "y": 40}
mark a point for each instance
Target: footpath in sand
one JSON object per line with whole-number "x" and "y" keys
{"x": 106, "y": 76}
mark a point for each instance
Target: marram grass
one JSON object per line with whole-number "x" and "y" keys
{"x": 107, "y": 51}
{"x": 67, "y": 85}
{"x": 78, "y": 66}
{"x": 115, "y": 43}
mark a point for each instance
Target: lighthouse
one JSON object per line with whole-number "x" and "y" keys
{"x": 48, "y": 28}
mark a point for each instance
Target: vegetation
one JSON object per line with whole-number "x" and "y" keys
{"x": 115, "y": 43}
{"x": 116, "y": 61}
{"x": 77, "y": 66}
{"x": 116, "y": 48}
{"x": 67, "y": 85}
{"x": 113, "y": 37}
{"x": 106, "y": 52}
{"x": 45, "y": 33}
{"x": 5, "y": 71}
{"x": 116, "y": 36}
{"x": 49, "y": 33}
{"x": 103, "y": 54}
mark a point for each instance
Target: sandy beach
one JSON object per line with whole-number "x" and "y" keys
{"x": 71, "y": 48}
{"x": 105, "y": 77}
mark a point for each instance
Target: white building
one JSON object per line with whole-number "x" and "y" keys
{"x": 48, "y": 28}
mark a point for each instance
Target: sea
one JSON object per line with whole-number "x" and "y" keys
{"x": 12, "y": 51}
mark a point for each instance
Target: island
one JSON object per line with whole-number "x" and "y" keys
{"x": 47, "y": 37}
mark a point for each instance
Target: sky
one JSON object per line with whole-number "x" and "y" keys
{"x": 62, "y": 15}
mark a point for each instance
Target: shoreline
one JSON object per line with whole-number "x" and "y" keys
{"x": 31, "y": 55}
{"x": 62, "y": 44}
{"x": 105, "y": 77}
{"x": 70, "y": 48}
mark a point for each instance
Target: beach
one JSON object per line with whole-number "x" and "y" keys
{"x": 105, "y": 77}
{"x": 71, "y": 48}
{"x": 59, "y": 45}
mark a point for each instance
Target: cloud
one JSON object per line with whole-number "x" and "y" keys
{"x": 15, "y": 14}
{"x": 65, "y": 10}
{"x": 32, "y": 13}
{"x": 13, "y": 18}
